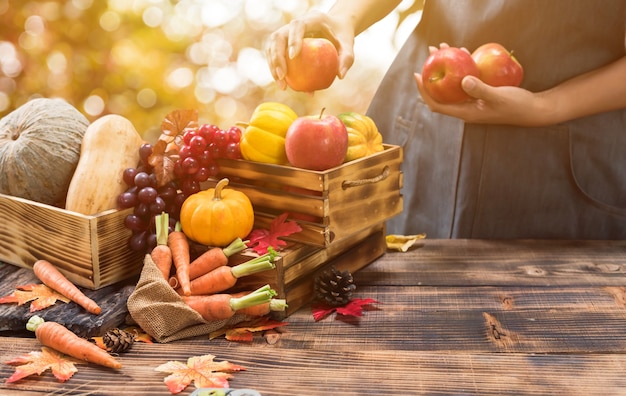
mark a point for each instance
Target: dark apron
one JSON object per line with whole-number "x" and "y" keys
{"x": 493, "y": 181}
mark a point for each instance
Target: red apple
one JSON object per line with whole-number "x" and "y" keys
{"x": 498, "y": 66}
{"x": 314, "y": 68}
{"x": 316, "y": 142}
{"x": 443, "y": 71}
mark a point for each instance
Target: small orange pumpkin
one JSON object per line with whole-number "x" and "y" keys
{"x": 217, "y": 216}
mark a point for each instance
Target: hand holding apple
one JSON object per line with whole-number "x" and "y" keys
{"x": 498, "y": 67}
{"x": 314, "y": 68}
{"x": 316, "y": 142}
{"x": 443, "y": 72}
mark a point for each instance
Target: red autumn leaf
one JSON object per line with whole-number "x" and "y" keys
{"x": 203, "y": 371}
{"x": 244, "y": 331}
{"x": 261, "y": 239}
{"x": 62, "y": 366}
{"x": 41, "y": 296}
{"x": 353, "y": 308}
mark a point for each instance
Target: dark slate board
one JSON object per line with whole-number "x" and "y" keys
{"x": 112, "y": 299}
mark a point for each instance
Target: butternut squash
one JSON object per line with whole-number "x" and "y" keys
{"x": 110, "y": 145}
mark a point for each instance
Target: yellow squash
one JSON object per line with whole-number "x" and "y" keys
{"x": 363, "y": 136}
{"x": 217, "y": 216}
{"x": 110, "y": 145}
{"x": 263, "y": 139}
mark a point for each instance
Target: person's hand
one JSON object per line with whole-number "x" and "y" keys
{"x": 490, "y": 105}
{"x": 287, "y": 41}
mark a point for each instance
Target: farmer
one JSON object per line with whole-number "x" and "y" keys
{"x": 546, "y": 160}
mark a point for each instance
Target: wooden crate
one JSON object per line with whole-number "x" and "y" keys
{"x": 92, "y": 251}
{"x": 299, "y": 264}
{"x": 337, "y": 203}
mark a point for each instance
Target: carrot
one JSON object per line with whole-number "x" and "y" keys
{"x": 213, "y": 258}
{"x": 225, "y": 277}
{"x": 224, "y": 306}
{"x": 179, "y": 245}
{"x": 57, "y": 336}
{"x": 274, "y": 305}
{"x": 54, "y": 279}
{"x": 161, "y": 254}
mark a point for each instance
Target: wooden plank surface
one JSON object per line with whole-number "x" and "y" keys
{"x": 454, "y": 317}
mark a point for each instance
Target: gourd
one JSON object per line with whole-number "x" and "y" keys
{"x": 110, "y": 145}
{"x": 363, "y": 136}
{"x": 39, "y": 150}
{"x": 263, "y": 139}
{"x": 217, "y": 216}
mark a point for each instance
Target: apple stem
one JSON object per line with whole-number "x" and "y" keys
{"x": 322, "y": 112}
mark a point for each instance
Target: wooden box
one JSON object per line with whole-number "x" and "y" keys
{"x": 299, "y": 264}
{"x": 331, "y": 205}
{"x": 92, "y": 251}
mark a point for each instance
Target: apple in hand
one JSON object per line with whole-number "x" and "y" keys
{"x": 443, "y": 71}
{"x": 314, "y": 68}
{"x": 316, "y": 142}
{"x": 498, "y": 67}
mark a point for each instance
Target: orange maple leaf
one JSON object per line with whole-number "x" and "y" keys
{"x": 203, "y": 371}
{"x": 62, "y": 366}
{"x": 244, "y": 331}
{"x": 41, "y": 296}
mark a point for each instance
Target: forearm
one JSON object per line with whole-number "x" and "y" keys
{"x": 594, "y": 92}
{"x": 361, "y": 14}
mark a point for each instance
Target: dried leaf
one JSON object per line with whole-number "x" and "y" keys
{"x": 244, "y": 331}
{"x": 165, "y": 150}
{"x": 176, "y": 122}
{"x": 62, "y": 366}
{"x": 262, "y": 239}
{"x": 353, "y": 308}
{"x": 163, "y": 161}
{"x": 41, "y": 296}
{"x": 402, "y": 242}
{"x": 203, "y": 371}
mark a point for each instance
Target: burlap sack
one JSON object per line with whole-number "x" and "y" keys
{"x": 162, "y": 313}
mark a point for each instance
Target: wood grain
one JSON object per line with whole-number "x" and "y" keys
{"x": 454, "y": 317}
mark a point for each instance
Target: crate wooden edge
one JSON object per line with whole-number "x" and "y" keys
{"x": 70, "y": 240}
{"x": 359, "y": 256}
{"x": 296, "y": 268}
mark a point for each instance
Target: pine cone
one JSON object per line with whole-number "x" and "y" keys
{"x": 334, "y": 287}
{"x": 118, "y": 340}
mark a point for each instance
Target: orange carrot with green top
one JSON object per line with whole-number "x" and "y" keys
{"x": 179, "y": 245}
{"x": 224, "y": 306}
{"x": 273, "y": 305}
{"x": 214, "y": 258}
{"x": 161, "y": 254}
{"x": 60, "y": 338}
{"x": 54, "y": 279}
{"x": 225, "y": 277}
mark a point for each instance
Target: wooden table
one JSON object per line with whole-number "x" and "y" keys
{"x": 459, "y": 317}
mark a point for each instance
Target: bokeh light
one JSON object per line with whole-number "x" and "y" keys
{"x": 144, "y": 58}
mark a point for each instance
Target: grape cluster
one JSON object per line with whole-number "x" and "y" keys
{"x": 197, "y": 161}
{"x": 199, "y": 153}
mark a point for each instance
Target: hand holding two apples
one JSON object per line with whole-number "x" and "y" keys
{"x": 446, "y": 67}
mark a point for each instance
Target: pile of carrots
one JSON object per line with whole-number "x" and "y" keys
{"x": 202, "y": 282}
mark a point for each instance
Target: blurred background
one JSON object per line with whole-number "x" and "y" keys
{"x": 144, "y": 58}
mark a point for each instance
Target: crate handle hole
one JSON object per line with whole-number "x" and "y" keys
{"x": 355, "y": 183}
